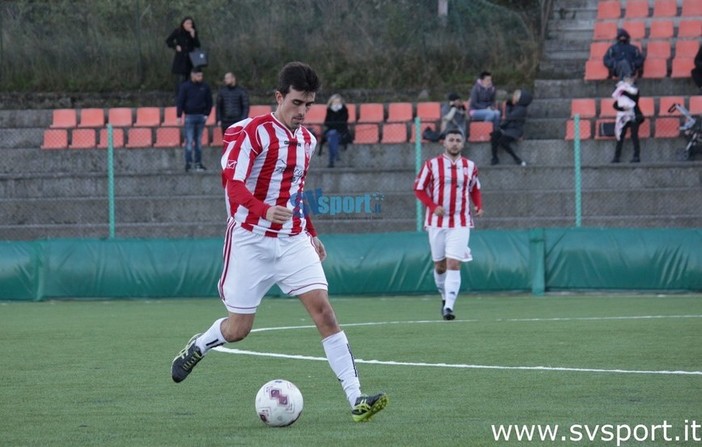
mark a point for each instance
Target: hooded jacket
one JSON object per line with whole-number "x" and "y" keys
{"x": 623, "y": 50}
{"x": 515, "y": 116}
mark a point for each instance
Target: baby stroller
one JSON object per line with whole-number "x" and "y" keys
{"x": 692, "y": 129}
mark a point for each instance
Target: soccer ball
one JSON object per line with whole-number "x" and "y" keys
{"x": 279, "y": 403}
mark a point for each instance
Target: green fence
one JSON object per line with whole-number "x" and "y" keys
{"x": 391, "y": 263}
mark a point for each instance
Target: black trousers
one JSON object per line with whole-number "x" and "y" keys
{"x": 634, "y": 126}
{"x": 498, "y": 139}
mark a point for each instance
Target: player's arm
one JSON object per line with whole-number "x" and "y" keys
{"x": 475, "y": 194}
{"x": 420, "y": 189}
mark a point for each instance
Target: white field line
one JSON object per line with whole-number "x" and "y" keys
{"x": 469, "y": 366}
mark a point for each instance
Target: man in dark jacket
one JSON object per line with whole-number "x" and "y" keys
{"x": 624, "y": 59}
{"x": 195, "y": 100}
{"x": 232, "y": 103}
{"x": 512, "y": 128}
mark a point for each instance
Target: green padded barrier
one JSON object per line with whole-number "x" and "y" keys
{"x": 374, "y": 264}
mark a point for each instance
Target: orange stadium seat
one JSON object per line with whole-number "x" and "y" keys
{"x": 598, "y": 50}
{"x": 690, "y": 29}
{"x": 682, "y": 67}
{"x": 167, "y": 137}
{"x": 666, "y": 102}
{"x": 658, "y": 49}
{"x": 646, "y": 106}
{"x": 645, "y": 129}
{"x": 585, "y": 107}
{"x": 83, "y": 139}
{"x": 479, "y": 131}
{"x": 667, "y": 128}
{"x": 217, "y": 137}
{"x": 117, "y": 138}
{"x": 64, "y": 118}
{"x": 605, "y": 31}
{"x": 608, "y": 9}
{"x": 371, "y": 113}
{"x": 394, "y": 133}
{"x": 366, "y": 134}
{"x": 120, "y": 116}
{"x": 585, "y": 130}
{"x": 661, "y": 29}
{"x": 139, "y": 137}
{"x": 429, "y": 111}
{"x": 635, "y": 28}
{"x": 148, "y": 116}
{"x": 686, "y": 48}
{"x": 691, "y": 8}
{"x": 352, "y": 112}
{"x": 399, "y": 112}
{"x": 55, "y": 139}
{"x": 211, "y": 118}
{"x": 655, "y": 68}
{"x": 595, "y": 70}
{"x": 92, "y": 118}
{"x": 606, "y": 108}
{"x": 316, "y": 114}
{"x": 665, "y": 8}
{"x": 695, "y": 105}
{"x": 261, "y": 109}
{"x": 636, "y": 9}
{"x": 170, "y": 117}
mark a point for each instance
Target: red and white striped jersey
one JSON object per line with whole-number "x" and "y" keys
{"x": 272, "y": 163}
{"x": 451, "y": 185}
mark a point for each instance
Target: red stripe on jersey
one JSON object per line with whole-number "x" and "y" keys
{"x": 464, "y": 189}
{"x": 263, "y": 181}
{"x": 453, "y": 187}
{"x": 440, "y": 198}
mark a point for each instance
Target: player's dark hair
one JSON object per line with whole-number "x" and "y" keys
{"x": 299, "y": 76}
{"x": 456, "y": 131}
{"x": 483, "y": 74}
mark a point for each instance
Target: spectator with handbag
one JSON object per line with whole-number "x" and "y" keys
{"x": 183, "y": 40}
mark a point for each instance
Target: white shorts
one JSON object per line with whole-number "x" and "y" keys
{"x": 449, "y": 243}
{"x": 253, "y": 263}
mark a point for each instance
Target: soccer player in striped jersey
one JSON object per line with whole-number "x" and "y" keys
{"x": 270, "y": 238}
{"x": 446, "y": 185}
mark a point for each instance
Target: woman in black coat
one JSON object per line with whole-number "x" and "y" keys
{"x": 512, "y": 128}
{"x": 183, "y": 40}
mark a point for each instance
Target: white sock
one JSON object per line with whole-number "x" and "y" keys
{"x": 440, "y": 280}
{"x": 453, "y": 286}
{"x": 342, "y": 363}
{"x": 212, "y": 338}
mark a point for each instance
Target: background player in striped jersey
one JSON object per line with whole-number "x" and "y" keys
{"x": 446, "y": 185}
{"x": 269, "y": 238}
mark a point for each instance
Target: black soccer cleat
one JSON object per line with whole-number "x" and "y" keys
{"x": 448, "y": 314}
{"x": 186, "y": 360}
{"x": 367, "y": 406}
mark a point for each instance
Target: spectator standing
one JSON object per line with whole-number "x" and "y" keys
{"x": 512, "y": 128}
{"x": 629, "y": 116}
{"x": 183, "y": 40}
{"x": 232, "y": 103}
{"x": 447, "y": 185}
{"x": 482, "y": 101}
{"x": 453, "y": 115}
{"x": 336, "y": 127}
{"x": 623, "y": 59}
{"x": 195, "y": 101}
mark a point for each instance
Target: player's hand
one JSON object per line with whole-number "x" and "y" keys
{"x": 278, "y": 214}
{"x": 439, "y": 211}
{"x": 479, "y": 212}
{"x": 319, "y": 247}
{"x": 178, "y": 48}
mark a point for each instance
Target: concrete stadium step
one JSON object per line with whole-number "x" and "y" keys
{"x": 21, "y": 137}
{"x": 101, "y": 231}
{"x": 578, "y": 88}
{"x": 14, "y": 119}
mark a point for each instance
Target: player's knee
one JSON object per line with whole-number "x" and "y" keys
{"x": 233, "y": 333}
{"x": 440, "y": 267}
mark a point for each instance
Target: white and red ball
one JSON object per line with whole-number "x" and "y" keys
{"x": 279, "y": 403}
